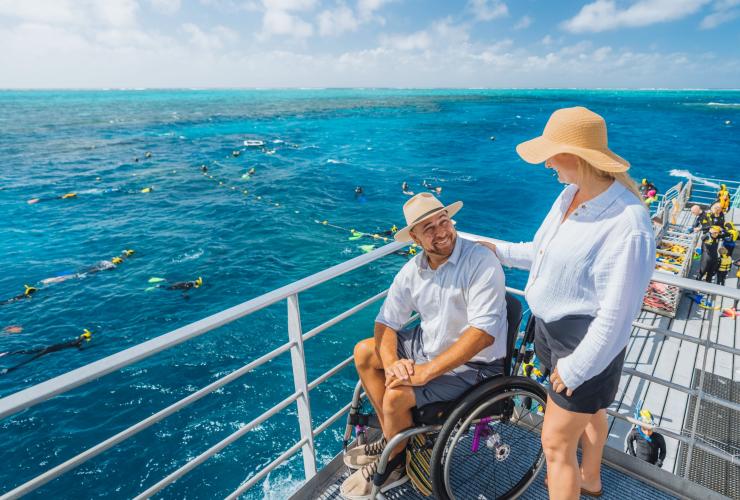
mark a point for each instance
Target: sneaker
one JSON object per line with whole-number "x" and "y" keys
{"x": 360, "y": 456}
{"x": 359, "y": 485}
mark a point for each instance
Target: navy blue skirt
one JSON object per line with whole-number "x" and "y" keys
{"x": 558, "y": 339}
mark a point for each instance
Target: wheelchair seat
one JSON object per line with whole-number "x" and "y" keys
{"x": 437, "y": 413}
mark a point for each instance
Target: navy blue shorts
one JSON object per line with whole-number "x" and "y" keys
{"x": 451, "y": 385}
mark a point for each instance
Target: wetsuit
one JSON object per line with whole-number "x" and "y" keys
{"x": 708, "y": 219}
{"x": 725, "y": 263}
{"x": 181, "y": 285}
{"x": 41, "y": 351}
{"x": 652, "y": 451}
{"x": 25, "y": 295}
{"x": 709, "y": 258}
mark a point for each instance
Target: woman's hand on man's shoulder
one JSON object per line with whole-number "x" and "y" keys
{"x": 489, "y": 245}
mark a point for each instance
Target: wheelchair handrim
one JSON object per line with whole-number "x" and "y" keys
{"x": 529, "y": 476}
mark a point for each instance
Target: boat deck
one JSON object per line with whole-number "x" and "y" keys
{"x": 678, "y": 361}
{"x": 682, "y": 363}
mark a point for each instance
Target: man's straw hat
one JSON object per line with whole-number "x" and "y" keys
{"x": 420, "y": 208}
{"x": 578, "y": 131}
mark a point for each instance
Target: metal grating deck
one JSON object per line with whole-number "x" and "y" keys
{"x": 719, "y": 427}
{"x": 617, "y": 485}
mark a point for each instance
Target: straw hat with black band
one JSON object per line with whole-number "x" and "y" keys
{"x": 420, "y": 208}
{"x": 578, "y": 131}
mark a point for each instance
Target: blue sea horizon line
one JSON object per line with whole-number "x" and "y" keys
{"x": 196, "y": 88}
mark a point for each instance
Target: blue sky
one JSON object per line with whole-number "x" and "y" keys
{"x": 370, "y": 43}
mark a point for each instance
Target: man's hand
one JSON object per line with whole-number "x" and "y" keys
{"x": 421, "y": 376}
{"x": 400, "y": 369}
{"x": 557, "y": 383}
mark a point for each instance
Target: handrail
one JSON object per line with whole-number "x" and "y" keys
{"x": 34, "y": 395}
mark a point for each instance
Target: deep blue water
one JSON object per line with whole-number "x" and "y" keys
{"x": 52, "y": 143}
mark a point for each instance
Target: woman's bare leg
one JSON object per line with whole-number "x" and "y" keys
{"x": 592, "y": 447}
{"x": 560, "y": 434}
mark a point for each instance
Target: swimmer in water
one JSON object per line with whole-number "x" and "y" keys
{"x": 27, "y": 293}
{"x": 148, "y": 154}
{"x": 60, "y": 197}
{"x": 103, "y": 265}
{"x": 236, "y": 153}
{"x": 406, "y": 190}
{"x": 204, "y": 169}
{"x": 42, "y": 351}
{"x": 178, "y": 285}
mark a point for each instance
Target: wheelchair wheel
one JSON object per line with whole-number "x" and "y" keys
{"x": 490, "y": 446}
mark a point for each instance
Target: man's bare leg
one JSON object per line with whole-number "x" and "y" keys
{"x": 397, "y": 404}
{"x": 372, "y": 375}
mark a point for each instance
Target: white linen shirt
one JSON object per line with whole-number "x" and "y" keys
{"x": 598, "y": 262}
{"x": 467, "y": 290}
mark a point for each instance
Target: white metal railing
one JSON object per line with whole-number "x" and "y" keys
{"x": 39, "y": 393}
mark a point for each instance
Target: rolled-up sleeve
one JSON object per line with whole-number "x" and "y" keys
{"x": 621, "y": 276}
{"x": 519, "y": 255}
{"x": 397, "y": 307}
{"x": 486, "y": 302}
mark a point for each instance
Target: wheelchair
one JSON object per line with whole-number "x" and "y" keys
{"x": 485, "y": 444}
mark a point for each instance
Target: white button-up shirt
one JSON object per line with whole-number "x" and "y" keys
{"x": 598, "y": 262}
{"x": 467, "y": 290}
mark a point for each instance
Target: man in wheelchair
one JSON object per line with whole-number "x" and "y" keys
{"x": 457, "y": 287}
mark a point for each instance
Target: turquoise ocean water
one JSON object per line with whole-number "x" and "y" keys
{"x": 319, "y": 145}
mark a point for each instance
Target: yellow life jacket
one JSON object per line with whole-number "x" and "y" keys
{"x": 725, "y": 262}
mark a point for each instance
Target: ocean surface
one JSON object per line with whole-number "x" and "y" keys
{"x": 248, "y": 234}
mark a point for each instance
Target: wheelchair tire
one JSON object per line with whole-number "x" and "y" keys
{"x": 489, "y": 446}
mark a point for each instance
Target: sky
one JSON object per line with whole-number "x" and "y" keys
{"x": 369, "y": 43}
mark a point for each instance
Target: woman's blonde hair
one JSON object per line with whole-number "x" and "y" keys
{"x": 586, "y": 170}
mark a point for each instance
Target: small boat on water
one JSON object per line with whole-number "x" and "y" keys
{"x": 253, "y": 143}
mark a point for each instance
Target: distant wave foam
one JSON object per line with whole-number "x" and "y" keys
{"x": 696, "y": 180}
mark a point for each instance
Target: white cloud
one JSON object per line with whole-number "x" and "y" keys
{"x": 289, "y": 5}
{"x": 723, "y": 11}
{"x": 414, "y": 41}
{"x": 487, "y": 10}
{"x": 366, "y": 9}
{"x": 547, "y": 40}
{"x": 166, "y": 6}
{"x": 279, "y": 22}
{"x": 278, "y": 19}
{"x": 523, "y": 23}
{"x": 216, "y": 39}
{"x": 67, "y": 12}
{"x": 334, "y": 22}
{"x": 604, "y": 15}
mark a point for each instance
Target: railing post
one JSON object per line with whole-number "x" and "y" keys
{"x": 300, "y": 379}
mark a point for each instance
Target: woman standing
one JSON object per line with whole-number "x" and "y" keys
{"x": 590, "y": 263}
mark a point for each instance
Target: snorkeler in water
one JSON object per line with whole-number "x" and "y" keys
{"x": 177, "y": 285}
{"x": 95, "y": 191}
{"x": 67, "y": 196}
{"x": 27, "y": 293}
{"x": 204, "y": 169}
{"x": 103, "y": 265}
{"x": 434, "y": 189}
{"x": 42, "y": 351}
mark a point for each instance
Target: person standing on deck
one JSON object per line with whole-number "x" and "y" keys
{"x": 589, "y": 264}
{"x": 712, "y": 217}
{"x": 723, "y": 266}
{"x": 646, "y": 444}
{"x": 709, "y": 254}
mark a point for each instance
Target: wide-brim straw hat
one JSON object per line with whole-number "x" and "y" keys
{"x": 420, "y": 208}
{"x": 578, "y": 131}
